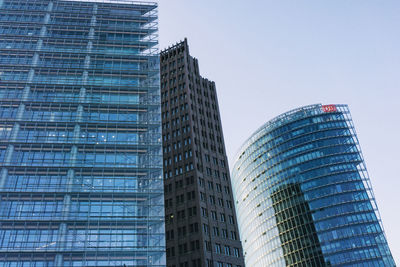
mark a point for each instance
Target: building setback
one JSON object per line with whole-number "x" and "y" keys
{"x": 80, "y": 134}
{"x": 303, "y": 194}
{"x": 201, "y": 228}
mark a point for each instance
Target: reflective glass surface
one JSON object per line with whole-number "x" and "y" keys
{"x": 303, "y": 195}
{"x": 80, "y": 134}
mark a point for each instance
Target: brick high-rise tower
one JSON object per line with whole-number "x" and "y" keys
{"x": 201, "y": 227}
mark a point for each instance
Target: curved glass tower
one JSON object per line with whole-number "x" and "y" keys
{"x": 303, "y": 195}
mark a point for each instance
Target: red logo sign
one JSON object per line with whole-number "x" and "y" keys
{"x": 329, "y": 108}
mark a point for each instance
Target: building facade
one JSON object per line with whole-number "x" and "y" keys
{"x": 80, "y": 136}
{"x": 303, "y": 194}
{"x": 201, "y": 228}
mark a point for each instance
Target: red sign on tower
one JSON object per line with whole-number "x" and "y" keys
{"x": 329, "y": 108}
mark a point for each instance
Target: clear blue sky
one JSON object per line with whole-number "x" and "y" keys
{"x": 268, "y": 57}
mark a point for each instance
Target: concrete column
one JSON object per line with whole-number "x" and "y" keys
{"x": 93, "y": 21}
{"x": 46, "y": 18}
{"x": 25, "y": 93}
{"x": 87, "y": 62}
{"x": 20, "y": 112}
{"x": 85, "y": 76}
{"x": 58, "y": 260}
{"x": 82, "y": 95}
{"x": 70, "y": 179}
{"x": 62, "y": 231}
{"x": 3, "y": 177}
{"x": 77, "y": 130}
{"x": 39, "y": 45}
{"x": 7, "y": 161}
{"x": 30, "y": 75}
{"x": 43, "y": 30}
{"x": 74, "y": 152}
{"x": 66, "y": 206}
{"x": 35, "y": 60}
{"x": 50, "y": 7}
{"x": 14, "y": 132}
{"x": 9, "y": 153}
{"x": 91, "y": 34}
{"x": 89, "y": 46}
{"x": 79, "y": 113}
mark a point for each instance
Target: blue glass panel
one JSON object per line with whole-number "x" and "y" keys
{"x": 80, "y": 148}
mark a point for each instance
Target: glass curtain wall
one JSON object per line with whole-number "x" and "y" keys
{"x": 303, "y": 194}
{"x": 80, "y": 136}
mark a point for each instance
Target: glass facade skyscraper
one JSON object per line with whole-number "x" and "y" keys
{"x": 80, "y": 135}
{"x": 303, "y": 194}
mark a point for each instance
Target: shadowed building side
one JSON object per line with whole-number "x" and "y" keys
{"x": 296, "y": 227}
